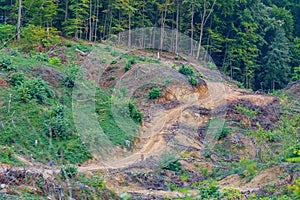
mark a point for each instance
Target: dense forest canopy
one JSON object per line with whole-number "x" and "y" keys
{"x": 256, "y": 42}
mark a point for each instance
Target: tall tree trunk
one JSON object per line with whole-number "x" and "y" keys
{"x": 19, "y": 20}
{"x": 129, "y": 31}
{"x": 204, "y": 18}
{"x": 96, "y": 21}
{"x": 164, "y": 15}
{"x": 76, "y": 16}
{"x": 177, "y": 28}
{"x": 192, "y": 31}
{"x": 90, "y": 22}
{"x": 143, "y": 25}
{"x": 66, "y": 10}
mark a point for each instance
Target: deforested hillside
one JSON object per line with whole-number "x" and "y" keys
{"x": 101, "y": 122}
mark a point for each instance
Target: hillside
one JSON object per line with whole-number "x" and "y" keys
{"x": 96, "y": 121}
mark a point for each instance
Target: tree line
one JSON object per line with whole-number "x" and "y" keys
{"x": 256, "y": 42}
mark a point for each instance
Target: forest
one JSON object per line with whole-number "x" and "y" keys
{"x": 256, "y": 42}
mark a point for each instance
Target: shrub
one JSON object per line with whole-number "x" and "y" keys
{"x": 6, "y": 154}
{"x": 211, "y": 65}
{"x": 186, "y": 70}
{"x": 33, "y": 89}
{"x": 55, "y": 61}
{"x": 39, "y": 89}
{"x": 194, "y": 81}
{"x": 57, "y": 125}
{"x": 154, "y": 93}
{"x": 113, "y": 62}
{"x": 169, "y": 161}
{"x": 131, "y": 61}
{"x": 71, "y": 74}
{"x": 6, "y": 63}
{"x": 208, "y": 190}
{"x": 36, "y": 36}
{"x": 127, "y": 67}
{"x": 115, "y": 53}
{"x": 135, "y": 114}
{"x": 42, "y": 57}
{"x": 96, "y": 182}
{"x": 69, "y": 171}
{"x": 7, "y": 32}
{"x": 16, "y": 78}
{"x": 224, "y": 133}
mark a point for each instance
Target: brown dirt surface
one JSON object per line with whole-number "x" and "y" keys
{"x": 3, "y": 83}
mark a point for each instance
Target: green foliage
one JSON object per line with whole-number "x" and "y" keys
{"x": 187, "y": 70}
{"x": 16, "y": 78}
{"x": 34, "y": 36}
{"x": 296, "y": 188}
{"x": 127, "y": 67}
{"x": 168, "y": 161}
{"x": 246, "y": 168}
{"x": 7, "y": 31}
{"x": 194, "y": 81}
{"x": 225, "y": 132}
{"x": 154, "y": 93}
{"x": 6, "y": 155}
{"x": 246, "y": 111}
{"x": 55, "y": 61}
{"x": 293, "y": 154}
{"x": 43, "y": 57}
{"x": 125, "y": 129}
{"x": 135, "y": 114}
{"x": 34, "y": 89}
{"x": 113, "y": 62}
{"x": 96, "y": 181}
{"x": 184, "y": 176}
{"x": 232, "y": 194}
{"x": 69, "y": 171}
{"x": 71, "y": 73}
{"x": 211, "y": 65}
{"x": 6, "y": 64}
{"x": 208, "y": 190}
{"x": 125, "y": 196}
{"x": 115, "y": 53}
{"x": 129, "y": 63}
{"x": 57, "y": 125}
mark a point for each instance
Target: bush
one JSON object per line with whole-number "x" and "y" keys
{"x": 16, "y": 78}
{"x": 34, "y": 89}
{"x": 209, "y": 190}
{"x": 55, "y": 61}
{"x": 186, "y": 70}
{"x": 127, "y": 67}
{"x": 154, "y": 93}
{"x": 43, "y": 57}
{"x": 129, "y": 63}
{"x": 71, "y": 74}
{"x": 135, "y": 114}
{"x": 69, "y": 171}
{"x": 169, "y": 161}
{"x": 7, "y": 32}
{"x": 211, "y": 65}
{"x": 224, "y": 133}
{"x": 57, "y": 125}
{"x": 194, "y": 81}
{"x": 113, "y": 62}
{"x": 37, "y": 36}
{"x": 6, "y": 63}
